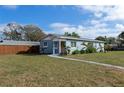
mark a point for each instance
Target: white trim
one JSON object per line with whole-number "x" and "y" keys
{"x": 80, "y": 39}
{"x": 12, "y": 42}
{"x": 45, "y": 42}
{"x": 74, "y": 43}
{"x": 55, "y": 47}
{"x": 59, "y": 47}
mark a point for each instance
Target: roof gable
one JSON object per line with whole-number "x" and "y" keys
{"x": 50, "y": 37}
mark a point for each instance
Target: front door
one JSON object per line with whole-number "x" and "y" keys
{"x": 63, "y": 45}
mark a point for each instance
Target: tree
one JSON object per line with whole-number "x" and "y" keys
{"x": 111, "y": 40}
{"x": 33, "y": 33}
{"x": 100, "y": 38}
{"x": 67, "y": 34}
{"x": 73, "y": 34}
{"x": 108, "y": 40}
{"x": 120, "y": 39}
{"x": 121, "y": 35}
{"x": 13, "y": 31}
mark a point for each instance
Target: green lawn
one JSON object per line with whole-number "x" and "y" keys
{"x": 41, "y": 70}
{"x": 114, "y": 57}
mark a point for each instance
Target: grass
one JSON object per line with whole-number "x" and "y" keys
{"x": 114, "y": 57}
{"x": 43, "y": 71}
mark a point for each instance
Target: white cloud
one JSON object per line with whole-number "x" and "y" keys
{"x": 59, "y": 25}
{"x": 92, "y": 8}
{"x": 94, "y": 22}
{"x": 98, "y": 11}
{"x": 116, "y": 14}
{"x": 64, "y": 27}
{"x": 61, "y": 28}
{"x": 92, "y": 32}
{"x": 95, "y": 29}
{"x": 10, "y": 6}
{"x": 2, "y": 26}
{"x": 119, "y": 27}
{"x": 107, "y": 13}
{"x": 98, "y": 24}
{"x": 98, "y": 15}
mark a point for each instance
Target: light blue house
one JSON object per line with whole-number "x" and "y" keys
{"x": 58, "y": 44}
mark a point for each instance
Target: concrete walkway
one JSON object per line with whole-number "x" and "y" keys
{"x": 90, "y": 62}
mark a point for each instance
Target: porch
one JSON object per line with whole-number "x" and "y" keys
{"x": 59, "y": 47}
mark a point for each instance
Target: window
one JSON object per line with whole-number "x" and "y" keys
{"x": 45, "y": 44}
{"x": 73, "y": 44}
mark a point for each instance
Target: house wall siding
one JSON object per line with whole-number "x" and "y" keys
{"x": 18, "y": 49}
{"x": 79, "y": 45}
{"x": 46, "y": 50}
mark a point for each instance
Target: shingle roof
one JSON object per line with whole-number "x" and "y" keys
{"x": 50, "y": 37}
{"x": 11, "y": 42}
{"x": 53, "y": 36}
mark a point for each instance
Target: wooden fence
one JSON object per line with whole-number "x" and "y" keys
{"x": 18, "y": 49}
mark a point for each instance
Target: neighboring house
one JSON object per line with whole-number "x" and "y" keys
{"x": 117, "y": 46}
{"x": 18, "y": 47}
{"x": 58, "y": 44}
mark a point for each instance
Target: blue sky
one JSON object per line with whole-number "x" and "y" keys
{"x": 42, "y": 16}
{"x": 87, "y": 21}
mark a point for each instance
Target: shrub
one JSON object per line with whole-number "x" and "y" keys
{"x": 82, "y": 51}
{"x": 108, "y": 48}
{"x": 90, "y": 50}
{"x": 68, "y": 49}
{"x": 76, "y": 52}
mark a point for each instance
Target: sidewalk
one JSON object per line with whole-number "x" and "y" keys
{"x": 90, "y": 62}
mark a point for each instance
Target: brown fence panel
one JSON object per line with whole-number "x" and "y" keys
{"x": 18, "y": 49}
